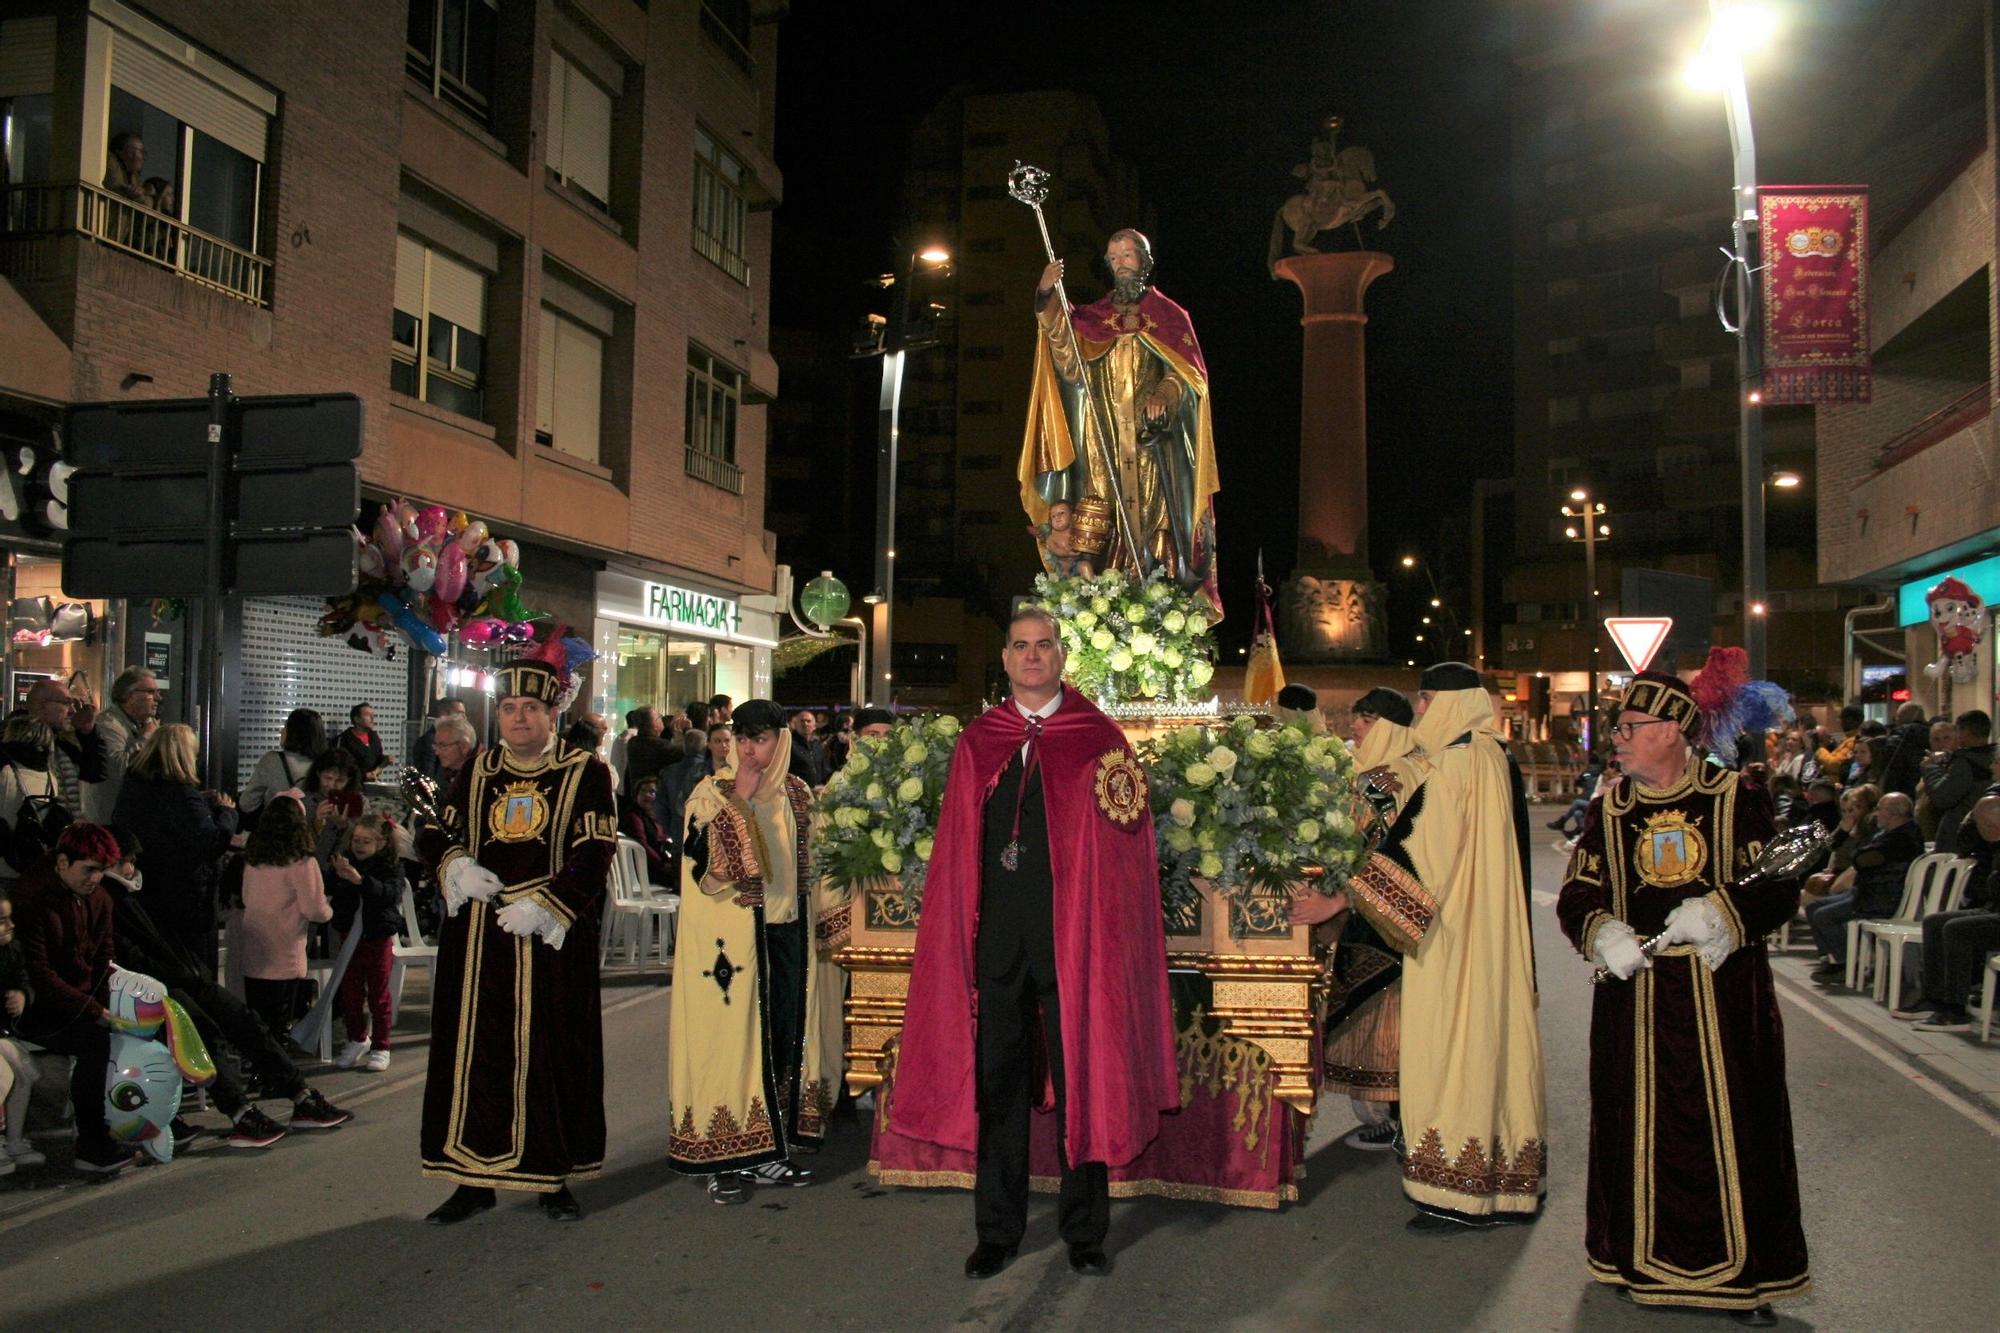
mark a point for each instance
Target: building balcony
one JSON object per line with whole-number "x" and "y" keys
{"x": 36, "y": 218}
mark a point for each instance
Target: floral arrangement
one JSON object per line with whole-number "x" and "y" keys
{"x": 1244, "y": 808}
{"x": 1131, "y": 639}
{"x": 881, "y": 809}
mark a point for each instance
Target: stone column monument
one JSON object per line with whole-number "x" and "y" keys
{"x": 1332, "y": 609}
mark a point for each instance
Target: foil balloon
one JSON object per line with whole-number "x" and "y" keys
{"x": 443, "y": 615}
{"x": 471, "y": 536}
{"x": 459, "y": 522}
{"x": 389, "y": 535}
{"x": 370, "y": 562}
{"x": 505, "y": 599}
{"x": 155, "y": 1052}
{"x": 419, "y": 568}
{"x": 433, "y": 522}
{"x": 482, "y": 631}
{"x": 510, "y": 552}
{"x": 411, "y": 624}
{"x": 450, "y": 580}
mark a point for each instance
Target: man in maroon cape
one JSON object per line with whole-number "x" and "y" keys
{"x": 1041, "y": 969}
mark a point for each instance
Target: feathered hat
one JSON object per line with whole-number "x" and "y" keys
{"x": 1715, "y": 708}
{"x": 547, "y": 671}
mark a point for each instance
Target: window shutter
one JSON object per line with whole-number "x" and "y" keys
{"x": 545, "y": 377}
{"x": 587, "y": 135}
{"x": 553, "y": 133}
{"x": 458, "y": 293}
{"x": 409, "y": 275}
{"x": 579, "y": 388}
{"x": 186, "y": 96}
{"x": 27, "y": 57}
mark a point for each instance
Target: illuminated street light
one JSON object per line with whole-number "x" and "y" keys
{"x": 1786, "y": 481}
{"x": 1409, "y": 562}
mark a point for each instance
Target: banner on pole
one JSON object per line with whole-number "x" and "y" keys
{"x": 1814, "y": 240}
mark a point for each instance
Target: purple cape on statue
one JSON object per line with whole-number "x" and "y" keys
{"x": 1110, "y": 943}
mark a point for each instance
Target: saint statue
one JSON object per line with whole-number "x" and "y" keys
{"x": 1056, "y": 540}
{"x": 1119, "y": 412}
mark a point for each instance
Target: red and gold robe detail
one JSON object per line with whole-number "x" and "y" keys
{"x": 733, "y": 1102}
{"x": 515, "y": 1093}
{"x": 1693, "y": 1196}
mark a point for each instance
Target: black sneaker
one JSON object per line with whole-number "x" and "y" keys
{"x": 184, "y": 1132}
{"x": 314, "y": 1111}
{"x": 1947, "y": 1020}
{"x": 1372, "y": 1138}
{"x": 108, "y": 1161}
{"x": 729, "y": 1187}
{"x": 1833, "y": 974}
{"x": 254, "y": 1129}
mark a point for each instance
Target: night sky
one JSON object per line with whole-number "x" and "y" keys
{"x": 1214, "y": 105}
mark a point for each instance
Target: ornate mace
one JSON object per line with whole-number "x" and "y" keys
{"x": 1030, "y": 185}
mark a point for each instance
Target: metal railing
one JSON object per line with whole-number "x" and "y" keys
{"x": 1947, "y": 421}
{"x": 704, "y": 466}
{"x": 58, "y": 208}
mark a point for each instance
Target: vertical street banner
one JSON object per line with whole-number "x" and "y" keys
{"x": 1815, "y": 258}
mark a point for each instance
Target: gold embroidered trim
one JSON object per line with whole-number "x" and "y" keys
{"x": 1394, "y": 901}
{"x": 1478, "y": 1171}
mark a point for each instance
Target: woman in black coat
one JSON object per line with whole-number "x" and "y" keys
{"x": 183, "y": 832}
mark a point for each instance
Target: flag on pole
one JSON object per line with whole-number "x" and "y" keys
{"x": 1264, "y": 676}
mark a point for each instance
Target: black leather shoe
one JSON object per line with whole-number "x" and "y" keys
{"x": 463, "y": 1203}
{"x": 560, "y": 1206}
{"x": 1761, "y": 1317}
{"x": 987, "y": 1259}
{"x": 1089, "y": 1259}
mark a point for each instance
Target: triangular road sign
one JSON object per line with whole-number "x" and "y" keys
{"x": 1638, "y": 637}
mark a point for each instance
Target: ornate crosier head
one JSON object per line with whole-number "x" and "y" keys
{"x": 1028, "y": 185}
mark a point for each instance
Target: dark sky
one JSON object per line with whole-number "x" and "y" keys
{"x": 1214, "y": 104}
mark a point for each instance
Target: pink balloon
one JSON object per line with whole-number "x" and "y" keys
{"x": 483, "y": 630}
{"x": 389, "y": 535}
{"x": 433, "y": 522}
{"x": 450, "y": 573}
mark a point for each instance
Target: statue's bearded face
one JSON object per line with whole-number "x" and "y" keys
{"x": 1128, "y": 268}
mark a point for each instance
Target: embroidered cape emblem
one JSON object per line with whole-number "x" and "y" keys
{"x": 722, "y": 972}
{"x": 1121, "y": 788}
{"x": 1672, "y": 851}
{"x": 520, "y": 815}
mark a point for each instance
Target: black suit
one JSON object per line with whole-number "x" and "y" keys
{"x": 1015, "y": 961}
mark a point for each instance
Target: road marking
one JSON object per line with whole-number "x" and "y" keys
{"x": 1903, "y": 1070}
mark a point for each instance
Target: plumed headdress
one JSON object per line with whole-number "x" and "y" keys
{"x": 547, "y": 671}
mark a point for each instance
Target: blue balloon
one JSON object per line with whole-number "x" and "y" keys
{"x": 414, "y": 628}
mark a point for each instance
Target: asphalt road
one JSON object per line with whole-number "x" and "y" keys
{"x": 1901, "y": 1190}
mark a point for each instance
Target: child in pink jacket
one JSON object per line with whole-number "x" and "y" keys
{"x": 282, "y": 896}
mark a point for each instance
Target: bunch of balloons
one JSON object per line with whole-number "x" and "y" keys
{"x": 425, "y": 573}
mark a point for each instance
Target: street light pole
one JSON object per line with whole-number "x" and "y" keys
{"x": 1592, "y": 513}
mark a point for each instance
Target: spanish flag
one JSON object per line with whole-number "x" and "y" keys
{"x": 1264, "y": 675}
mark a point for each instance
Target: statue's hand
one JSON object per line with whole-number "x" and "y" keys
{"x": 1050, "y": 277}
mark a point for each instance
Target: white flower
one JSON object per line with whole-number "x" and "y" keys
{"x": 1309, "y": 831}
{"x": 892, "y": 863}
{"x": 1290, "y": 737}
{"x": 874, "y": 792}
{"x": 915, "y": 755}
{"x": 857, "y": 763}
{"x": 1178, "y": 838}
{"x": 1143, "y": 644}
{"x": 1171, "y": 658}
{"x": 1205, "y": 840}
{"x": 1223, "y": 760}
{"x": 846, "y": 817}
{"x": 1211, "y": 865}
{"x": 1340, "y": 823}
{"x": 925, "y": 846}
{"x": 1174, "y": 622}
{"x": 1101, "y": 605}
{"x": 879, "y": 836}
{"x": 1158, "y": 592}
{"x": 1259, "y": 745}
{"x": 1135, "y": 611}
{"x": 1200, "y": 774}
{"x": 946, "y": 725}
{"x": 910, "y": 790}
{"x": 1102, "y": 640}
{"x": 1085, "y": 619}
{"x": 1149, "y": 687}
{"x": 1182, "y": 812}
{"x": 1120, "y": 660}
{"x": 1201, "y": 673}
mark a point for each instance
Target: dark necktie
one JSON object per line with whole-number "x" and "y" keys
{"x": 1010, "y": 855}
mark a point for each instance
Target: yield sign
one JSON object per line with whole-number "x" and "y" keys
{"x": 1638, "y": 637}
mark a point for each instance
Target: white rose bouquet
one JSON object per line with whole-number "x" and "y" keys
{"x": 1128, "y": 639}
{"x": 881, "y": 808}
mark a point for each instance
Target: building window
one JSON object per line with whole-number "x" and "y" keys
{"x": 721, "y": 209}
{"x": 579, "y": 131}
{"x": 437, "y": 346}
{"x": 570, "y": 387}
{"x": 714, "y": 402}
{"x": 449, "y": 47}
{"x": 727, "y": 24}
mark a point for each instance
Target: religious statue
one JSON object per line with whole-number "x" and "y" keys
{"x": 1338, "y": 194}
{"x": 1062, "y": 557}
{"x": 1119, "y": 414}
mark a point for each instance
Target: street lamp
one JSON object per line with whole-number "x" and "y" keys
{"x": 1445, "y": 618}
{"x": 1736, "y": 29}
{"x": 895, "y": 349}
{"x": 1589, "y": 526}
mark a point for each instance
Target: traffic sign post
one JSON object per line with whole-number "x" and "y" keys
{"x": 1638, "y": 637}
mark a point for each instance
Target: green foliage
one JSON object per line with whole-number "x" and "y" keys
{"x": 1132, "y": 640}
{"x": 881, "y": 808}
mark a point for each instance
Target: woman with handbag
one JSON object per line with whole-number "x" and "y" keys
{"x": 184, "y": 832}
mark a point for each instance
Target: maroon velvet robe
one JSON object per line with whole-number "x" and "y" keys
{"x": 1110, "y": 943}
{"x": 1693, "y": 1192}
{"x": 515, "y": 1093}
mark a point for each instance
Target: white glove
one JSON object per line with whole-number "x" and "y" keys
{"x": 526, "y": 917}
{"x": 1617, "y": 949}
{"x": 464, "y": 880}
{"x": 1697, "y": 922}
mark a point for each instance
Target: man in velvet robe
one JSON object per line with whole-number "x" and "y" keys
{"x": 515, "y": 1093}
{"x": 1040, "y": 978}
{"x": 1693, "y": 1195}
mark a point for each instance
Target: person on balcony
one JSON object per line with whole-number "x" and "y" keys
{"x": 124, "y": 174}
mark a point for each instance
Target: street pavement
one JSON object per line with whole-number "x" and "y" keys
{"x": 1900, "y": 1176}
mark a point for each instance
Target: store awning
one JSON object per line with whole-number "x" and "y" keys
{"x": 34, "y": 361}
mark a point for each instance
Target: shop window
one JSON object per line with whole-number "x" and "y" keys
{"x": 570, "y": 393}
{"x": 579, "y": 131}
{"x": 437, "y": 347}
{"x": 721, "y": 206}
{"x": 449, "y": 48}
{"x": 51, "y": 636}
{"x": 714, "y": 401}
{"x": 652, "y": 670}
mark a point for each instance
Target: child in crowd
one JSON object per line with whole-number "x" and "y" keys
{"x": 282, "y": 896}
{"x": 368, "y": 889}
{"x": 17, "y": 1068}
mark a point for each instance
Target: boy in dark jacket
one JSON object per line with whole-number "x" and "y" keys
{"x": 367, "y": 888}
{"x": 65, "y": 927}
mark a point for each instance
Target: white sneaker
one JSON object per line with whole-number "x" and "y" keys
{"x": 23, "y": 1154}
{"x": 375, "y": 1061}
{"x": 350, "y": 1054}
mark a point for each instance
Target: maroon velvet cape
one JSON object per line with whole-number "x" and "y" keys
{"x": 1110, "y": 948}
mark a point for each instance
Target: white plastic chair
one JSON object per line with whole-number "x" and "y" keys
{"x": 1888, "y": 941}
{"x": 1986, "y": 997}
{"x": 631, "y": 911}
{"x": 407, "y": 952}
{"x": 1916, "y": 880}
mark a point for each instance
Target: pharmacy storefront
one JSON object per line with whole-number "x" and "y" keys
{"x": 668, "y": 643}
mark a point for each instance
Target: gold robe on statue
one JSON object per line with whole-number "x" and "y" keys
{"x": 1447, "y": 890}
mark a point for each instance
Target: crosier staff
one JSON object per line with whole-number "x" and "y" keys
{"x": 1030, "y": 185}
